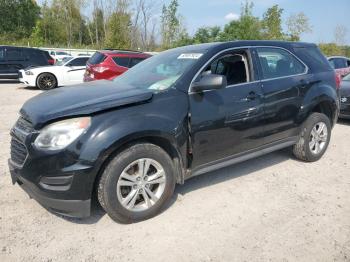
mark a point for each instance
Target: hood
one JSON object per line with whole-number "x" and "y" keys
{"x": 81, "y": 99}
{"x": 35, "y": 67}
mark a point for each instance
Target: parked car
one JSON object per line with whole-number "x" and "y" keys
{"x": 68, "y": 71}
{"x": 345, "y": 97}
{"x": 13, "y": 58}
{"x": 182, "y": 113}
{"x": 341, "y": 64}
{"x": 58, "y": 55}
{"x": 107, "y": 64}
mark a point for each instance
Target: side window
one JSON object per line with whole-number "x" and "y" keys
{"x": 134, "y": 61}
{"x": 277, "y": 62}
{"x": 79, "y": 61}
{"x": 339, "y": 63}
{"x": 14, "y": 54}
{"x": 122, "y": 61}
{"x": 52, "y": 53}
{"x": 348, "y": 62}
{"x": 332, "y": 63}
{"x": 2, "y": 53}
{"x": 233, "y": 66}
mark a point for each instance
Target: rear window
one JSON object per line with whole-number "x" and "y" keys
{"x": 313, "y": 57}
{"x": 97, "y": 58}
{"x": 134, "y": 61}
{"x": 122, "y": 61}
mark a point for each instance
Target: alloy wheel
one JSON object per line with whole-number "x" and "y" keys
{"x": 141, "y": 184}
{"x": 318, "y": 138}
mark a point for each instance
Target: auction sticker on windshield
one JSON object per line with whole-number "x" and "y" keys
{"x": 190, "y": 56}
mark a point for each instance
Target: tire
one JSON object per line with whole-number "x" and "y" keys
{"x": 119, "y": 181}
{"x": 46, "y": 81}
{"x": 306, "y": 148}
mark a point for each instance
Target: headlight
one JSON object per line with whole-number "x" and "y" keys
{"x": 29, "y": 73}
{"x": 60, "y": 134}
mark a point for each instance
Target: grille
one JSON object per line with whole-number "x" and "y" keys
{"x": 24, "y": 125}
{"x": 18, "y": 150}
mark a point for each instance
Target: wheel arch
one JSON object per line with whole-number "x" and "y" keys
{"x": 162, "y": 141}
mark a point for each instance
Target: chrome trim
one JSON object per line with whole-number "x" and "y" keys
{"x": 246, "y": 47}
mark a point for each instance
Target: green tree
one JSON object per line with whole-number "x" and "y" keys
{"x": 298, "y": 24}
{"x": 272, "y": 23}
{"x": 118, "y": 34}
{"x": 330, "y": 49}
{"x": 207, "y": 34}
{"x": 248, "y": 27}
{"x": 170, "y": 24}
{"x": 18, "y": 17}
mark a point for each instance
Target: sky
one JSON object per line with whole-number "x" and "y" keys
{"x": 324, "y": 15}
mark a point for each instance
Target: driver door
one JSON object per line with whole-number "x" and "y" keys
{"x": 226, "y": 122}
{"x": 75, "y": 70}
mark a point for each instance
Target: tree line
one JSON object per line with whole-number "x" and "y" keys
{"x": 147, "y": 25}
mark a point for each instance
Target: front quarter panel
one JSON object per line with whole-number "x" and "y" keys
{"x": 164, "y": 117}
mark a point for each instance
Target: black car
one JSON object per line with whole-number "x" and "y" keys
{"x": 13, "y": 58}
{"x": 345, "y": 97}
{"x": 181, "y": 113}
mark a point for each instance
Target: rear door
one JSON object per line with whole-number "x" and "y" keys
{"x": 283, "y": 78}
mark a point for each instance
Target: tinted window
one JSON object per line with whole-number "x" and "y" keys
{"x": 338, "y": 63}
{"x": 134, "y": 61}
{"x": 2, "y": 53}
{"x": 79, "y": 61}
{"x": 348, "y": 63}
{"x": 314, "y": 58}
{"x": 14, "y": 54}
{"x": 122, "y": 61}
{"x": 97, "y": 58}
{"x": 277, "y": 62}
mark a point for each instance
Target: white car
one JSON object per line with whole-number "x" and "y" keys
{"x": 59, "y": 55}
{"x": 69, "y": 71}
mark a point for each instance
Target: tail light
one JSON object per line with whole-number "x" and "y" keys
{"x": 337, "y": 80}
{"x": 51, "y": 61}
{"x": 100, "y": 69}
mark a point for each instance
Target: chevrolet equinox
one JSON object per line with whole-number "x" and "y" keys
{"x": 179, "y": 114}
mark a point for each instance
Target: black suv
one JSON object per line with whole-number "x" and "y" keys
{"x": 182, "y": 113}
{"x": 12, "y": 59}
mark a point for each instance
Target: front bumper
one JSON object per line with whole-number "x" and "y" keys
{"x": 28, "y": 80}
{"x": 53, "y": 193}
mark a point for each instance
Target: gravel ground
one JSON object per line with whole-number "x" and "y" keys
{"x": 273, "y": 208}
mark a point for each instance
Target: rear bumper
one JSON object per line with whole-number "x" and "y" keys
{"x": 51, "y": 192}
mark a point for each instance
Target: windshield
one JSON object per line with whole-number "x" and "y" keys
{"x": 64, "y": 60}
{"x": 346, "y": 78}
{"x": 159, "y": 72}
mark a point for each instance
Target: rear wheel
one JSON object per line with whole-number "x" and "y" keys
{"x": 137, "y": 183}
{"x": 314, "y": 138}
{"x": 46, "y": 81}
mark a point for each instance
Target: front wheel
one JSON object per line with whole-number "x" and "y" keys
{"x": 137, "y": 183}
{"x": 314, "y": 138}
{"x": 46, "y": 81}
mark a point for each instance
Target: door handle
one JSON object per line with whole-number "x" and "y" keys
{"x": 252, "y": 96}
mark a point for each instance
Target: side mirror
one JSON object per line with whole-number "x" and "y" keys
{"x": 209, "y": 82}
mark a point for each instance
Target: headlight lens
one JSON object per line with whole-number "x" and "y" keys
{"x": 60, "y": 134}
{"x": 29, "y": 73}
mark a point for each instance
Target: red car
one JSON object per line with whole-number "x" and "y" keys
{"x": 107, "y": 64}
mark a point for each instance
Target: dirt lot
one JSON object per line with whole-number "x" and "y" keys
{"x": 273, "y": 208}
